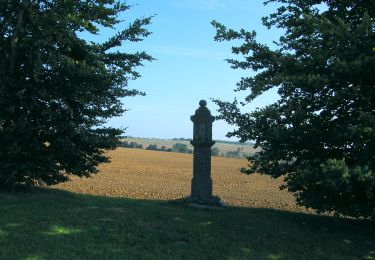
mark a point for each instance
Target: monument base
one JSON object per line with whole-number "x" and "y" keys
{"x": 214, "y": 203}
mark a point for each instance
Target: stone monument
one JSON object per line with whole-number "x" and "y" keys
{"x": 201, "y": 184}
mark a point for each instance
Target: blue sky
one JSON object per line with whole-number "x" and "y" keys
{"x": 189, "y": 65}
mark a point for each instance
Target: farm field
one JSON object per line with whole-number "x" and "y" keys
{"x": 223, "y": 147}
{"x": 143, "y": 174}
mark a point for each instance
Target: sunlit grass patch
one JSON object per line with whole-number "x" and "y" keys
{"x": 370, "y": 255}
{"x": 274, "y": 257}
{"x": 59, "y": 230}
{"x": 34, "y": 257}
{"x": 2, "y": 234}
{"x": 206, "y": 223}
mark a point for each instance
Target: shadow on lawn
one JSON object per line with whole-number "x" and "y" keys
{"x": 55, "y": 224}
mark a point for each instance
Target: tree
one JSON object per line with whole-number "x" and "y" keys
{"x": 133, "y": 145}
{"x": 124, "y": 144}
{"x": 152, "y": 147}
{"x": 57, "y": 90}
{"x": 320, "y": 134}
{"x": 235, "y": 153}
{"x": 215, "y": 151}
{"x": 180, "y": 148}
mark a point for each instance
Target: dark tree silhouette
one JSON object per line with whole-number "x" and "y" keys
{"x": 320, "y": 135}
{"x": 57, "y": 90}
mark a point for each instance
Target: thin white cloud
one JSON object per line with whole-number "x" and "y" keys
{"x": 205, "y": 5}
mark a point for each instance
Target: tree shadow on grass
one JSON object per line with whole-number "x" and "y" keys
{"x": 55, "y": 224}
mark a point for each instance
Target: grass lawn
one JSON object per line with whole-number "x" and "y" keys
{"x": 54, "y": 224}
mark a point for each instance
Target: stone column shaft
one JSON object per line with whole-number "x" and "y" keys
{"x": 201, "y": 183}
{"x": 201, "y": 187}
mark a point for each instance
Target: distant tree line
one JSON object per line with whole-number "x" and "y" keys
{"x": 183, "y": 148}
{"x": 217, "y": 141}
{"x": 127, "y": 144}
{"x": 234, "y": 154}
{"x": 177, "y": 148}
{"x": 181, "y": 139}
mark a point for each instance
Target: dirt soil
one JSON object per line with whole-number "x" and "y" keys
{"x": 142, "y": 174}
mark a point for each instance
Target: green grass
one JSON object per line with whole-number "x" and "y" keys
{"x": 53, "y": 224}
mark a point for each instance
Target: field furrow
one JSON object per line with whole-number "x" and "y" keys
{"x": 142, "y": 174}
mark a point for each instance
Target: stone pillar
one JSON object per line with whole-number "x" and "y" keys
{"x": 201, "y": 184}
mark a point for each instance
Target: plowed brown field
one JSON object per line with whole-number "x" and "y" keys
{"x": 142, "y": 174}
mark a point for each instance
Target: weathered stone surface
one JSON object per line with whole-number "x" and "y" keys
{"x": 202, "y": 131}
{"x": 201, "y": 183}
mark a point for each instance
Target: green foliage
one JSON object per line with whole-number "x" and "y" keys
{"x": 215, "y": 151}
{"x": 180, "y": 148}
{"x": 341, "y": 188}
{"x": 320, "y": 134}
{"x": 126, "y": 144}
{"x": 133, "y": 145}
{"x": 234, "y": 154}
{"x": 58, "y": 90}
{"x": 152, "y": 147}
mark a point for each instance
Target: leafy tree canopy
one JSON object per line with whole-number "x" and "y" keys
{"x": 180, "y": 148}
{"x": 57, "y": 90}
{"x": 320, "y": 134}
{"x": 215, "y": 151}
